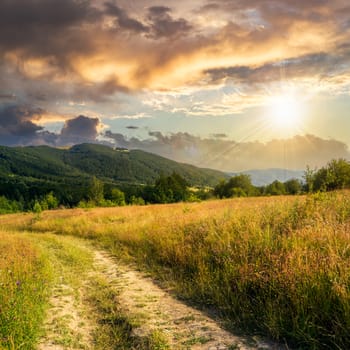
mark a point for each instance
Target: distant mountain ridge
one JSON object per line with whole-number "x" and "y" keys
{"x": 86, "y": 160}
{"x": 263, "y": 177}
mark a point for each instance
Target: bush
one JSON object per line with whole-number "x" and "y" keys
{"x": 7, "y": 206}
{"x": 37, "y": 207}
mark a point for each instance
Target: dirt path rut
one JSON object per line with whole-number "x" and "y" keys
{"x": 154, "y": 309}
{"x": 68, "y": 325}
{"x": 71, "y": 323}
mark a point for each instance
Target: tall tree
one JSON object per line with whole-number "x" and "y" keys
{"x": 95, "y": 191}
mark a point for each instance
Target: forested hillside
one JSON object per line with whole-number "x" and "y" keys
{"x": 30, "y": 173}
{"x": 134, "y": 166}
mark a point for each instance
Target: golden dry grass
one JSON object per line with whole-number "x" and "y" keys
{"x": 279, "y": 266}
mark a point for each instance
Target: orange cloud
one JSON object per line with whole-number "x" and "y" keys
{"x": 94, "y": 50}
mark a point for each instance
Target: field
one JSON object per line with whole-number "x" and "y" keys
{"x": 275, "y": 266}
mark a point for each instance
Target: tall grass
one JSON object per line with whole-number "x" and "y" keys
{"x": 24, "y": 277}
{"x": 275, "y": 266}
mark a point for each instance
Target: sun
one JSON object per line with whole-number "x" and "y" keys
{"x": 285, "y": 111}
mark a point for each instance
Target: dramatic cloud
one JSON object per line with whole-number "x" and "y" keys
{"x": 205, "y": 58}
{"x": 47, "y": 27}
{"x": 114, "y": 48}
{"x": 20, "y": 126}
{"x": 228, "y": 155}
{"x": 321, "y": 66}
{"x": 17, "y": 126}
{"x": 163, "y": 25}
{"x": 80, "y": 129}
{"x": 123, "y": 20}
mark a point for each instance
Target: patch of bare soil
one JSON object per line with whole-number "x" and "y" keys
{"x": 67, "y": 325}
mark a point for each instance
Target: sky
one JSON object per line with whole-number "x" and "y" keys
{"x": 225, "y": 84}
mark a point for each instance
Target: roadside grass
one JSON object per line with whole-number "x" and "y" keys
{"x": 32, "y": 267}
{"x": 274, "y": 266}
{"x": 25, "y": 278}
{"x": 115, "y": 328}
{"x": 68, "y": 258}
{"x": 73, "y": 264}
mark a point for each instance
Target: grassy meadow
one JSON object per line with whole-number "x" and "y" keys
{"x": 24, "y": 284}
{"x": 276, "y": 266}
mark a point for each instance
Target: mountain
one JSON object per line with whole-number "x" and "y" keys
{"x": 262, "y": 177}
{"x": 134, "y": 166}
{"x": 29, "y": 172}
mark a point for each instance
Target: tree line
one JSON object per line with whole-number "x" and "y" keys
{"x": 241, "y": 186}
{"x": 334, "y": 176}
{"x": 94, "y": 193}
{"x": 166, "y": 189}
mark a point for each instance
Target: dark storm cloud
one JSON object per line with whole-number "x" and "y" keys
{"x": 17, "y": 120}
{"x": 290, "y": 7}
{"x": 123, "y": 20}
{"x": 48, "y": 34}
{"x": 76, "y": 130}
{"x": 159, "y": 11}
{"x": 17, "y": 124}
{"x": 159, "y": 21}
{"x": 318, "y": 65}
{"x": 44, "y": 91}
{"x": 58, "y": 33}
{"x": 44, "y": 27}
{"x": 80, "y": 129}
{"x": 54, "y": 32}
{"x": 164, "y": 25}
{"x": 228, "y": 155}
{"x": 59, "y": 51}
{"x": 98, "y": 92}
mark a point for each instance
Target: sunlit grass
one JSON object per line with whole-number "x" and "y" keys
{"x": 274, "y": 266}
{"x": 24, "y": 286}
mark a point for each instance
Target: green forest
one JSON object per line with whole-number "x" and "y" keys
{"x": 89, "y": 175}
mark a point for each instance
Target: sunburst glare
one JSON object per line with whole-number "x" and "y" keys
{"x": 285, "y": 113}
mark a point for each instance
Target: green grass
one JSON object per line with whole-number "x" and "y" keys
{"x": 115, "y": 329}
{"x": 28, "y": 277}
{"x": 70, "y": 260}
{"x": 25, "y": 279}
{"x": 197, "y": 340}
